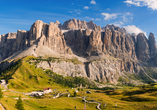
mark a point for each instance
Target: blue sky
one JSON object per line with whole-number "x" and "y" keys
{"x": 135, "y": 15}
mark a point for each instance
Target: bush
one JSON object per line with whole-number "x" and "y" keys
{"x": 19, "y": 104}
{"x": 78, "y": 89}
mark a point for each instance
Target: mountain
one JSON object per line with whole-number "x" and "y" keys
{"x": 107, "y": 54}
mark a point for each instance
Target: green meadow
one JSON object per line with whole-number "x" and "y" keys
{"x": 25, "y": 77}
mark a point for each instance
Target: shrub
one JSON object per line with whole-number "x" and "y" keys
{"x": 19, "y": 104}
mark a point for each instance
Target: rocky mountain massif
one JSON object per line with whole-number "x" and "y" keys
{"x": 104, "y": 54}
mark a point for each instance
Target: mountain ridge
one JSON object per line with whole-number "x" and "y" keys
{"x": 86, "y": 40}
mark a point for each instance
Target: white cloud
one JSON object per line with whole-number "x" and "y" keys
{"x": 149, "y": 3}
{"x": 93, "y": 2}
{"x": 77, "y": 11}
{"x": 134, "y": 29}
{"x": 119, "y": 24}
{"x": 93, "y": 19}
{"x": 86, "y": 7}
{"x": 109, "y": 16}
{"x": 127, "y": 17}
{"x": 137, "y": 3}
{"x": 97, "y": 19}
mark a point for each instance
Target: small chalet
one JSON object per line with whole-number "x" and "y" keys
{"x": 47, "y": 90}
{"x": 3, "y": 82}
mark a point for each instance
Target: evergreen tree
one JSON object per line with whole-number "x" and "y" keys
{"x": 1, "y": 94}
{"x": 19, "y": 104}
{"x": 75, "y": 94}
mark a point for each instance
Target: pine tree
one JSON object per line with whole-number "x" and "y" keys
{"x": 19, "y": 104}
{"x": 75, "y": 94}
{"x": 1, "y": 94}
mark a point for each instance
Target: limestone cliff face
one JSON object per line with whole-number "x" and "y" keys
{"x": 95, "y": 43}
{"x": 152, "y": 45}
{"x": 142, "y": 48}
{"x": 7, "y": 45}
{"x": 53, "y": 38}
{"x": 106, "y": 70}
{"x": 87, "y": 40}
{"x": 118, "y": 43}
{"x": 40, "y": 34}
{"x": 78, "y": 40}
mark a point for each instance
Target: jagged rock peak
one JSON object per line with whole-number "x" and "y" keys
{"x": 152, "y": 44}
{"x": 112, "y": 27}
{"x": 58, "y": 24}
{"x": 142, "y": 47}
{"x": 74, "y": 24}
{"x": 91, "y": 25}
{"x": 151, "y": 35}
{"x": 36, "y": 28}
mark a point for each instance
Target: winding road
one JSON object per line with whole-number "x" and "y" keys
{"x": 57, "y": 96}
{"x": 98, "y": 106}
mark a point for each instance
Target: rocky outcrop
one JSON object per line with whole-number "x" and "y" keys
{"x": 106, "y": 70}
{"x": 142, "y": 47}
{"x": 78, "y": 40}
{"x": 84, "y": 39}
{"x": 77, "y": 24}
{"x": 152, "y": 45}
{"x": 40, "y": 34}
{"x": 21, "y": 40}
{"x": 117, "y": 43}
{"x": 54, "y": 39}
{"x": 112, "y": 27}
{"x": 58, "y": 24}
{"x": 37, "y": 30}
{"x": 95, "y": 43}
{"x": 91, "y": 25}
{"x": 64, "y": 68}
{"x": 7, "y": 45}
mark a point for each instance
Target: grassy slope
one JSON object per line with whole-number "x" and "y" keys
{"x": 135, "y": 98}
{"x": 28, "y": 78}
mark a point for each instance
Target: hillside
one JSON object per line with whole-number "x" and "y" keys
{"x": 104, "y": 54}
{"x": 24, "y": 75}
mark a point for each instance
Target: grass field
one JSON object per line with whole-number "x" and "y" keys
{"x": 136, "y": 98}
{"x": 26, "y": 78}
